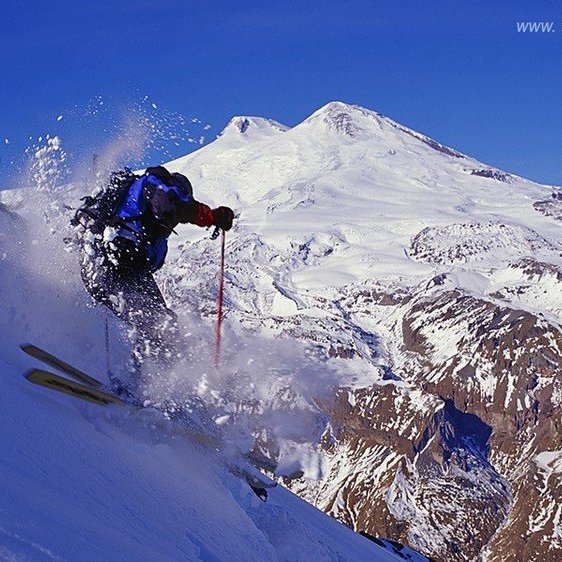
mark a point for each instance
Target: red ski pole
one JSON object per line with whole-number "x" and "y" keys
{"x": 219, "y": 302}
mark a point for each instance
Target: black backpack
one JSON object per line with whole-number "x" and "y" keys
{"x": 98, "y": 211}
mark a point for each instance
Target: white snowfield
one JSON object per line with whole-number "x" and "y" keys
{"x": 81, "y": 482}
{"x": 349, "y": 195}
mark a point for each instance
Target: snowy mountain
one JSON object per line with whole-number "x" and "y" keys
{"x": 393, "y": 328}
{"x": 432, "y": 282}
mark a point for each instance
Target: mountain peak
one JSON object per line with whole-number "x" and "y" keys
{"x": 244, "y": 125}
{"x": 356, "y": 122}
{"x": 337, "y": 105}
{"x": 347, "y": 119}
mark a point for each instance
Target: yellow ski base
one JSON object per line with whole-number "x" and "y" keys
{"x": 72, "y": 388}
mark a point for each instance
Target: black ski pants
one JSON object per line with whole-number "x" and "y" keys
{"x": 133, "y": 295}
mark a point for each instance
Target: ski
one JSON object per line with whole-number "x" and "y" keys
{"x": 73, "y": 388}
{"x": 53, "y": 361}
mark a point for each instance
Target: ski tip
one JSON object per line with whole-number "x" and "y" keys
{"x": 35, "y": 375}
{"x": 30, "y": 348}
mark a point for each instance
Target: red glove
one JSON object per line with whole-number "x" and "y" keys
{"x": 221, "y": 217}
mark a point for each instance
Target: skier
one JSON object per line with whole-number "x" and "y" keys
{"x": 126, "y": 229}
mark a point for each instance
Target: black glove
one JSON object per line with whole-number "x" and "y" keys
{"x": 223, "y": 217}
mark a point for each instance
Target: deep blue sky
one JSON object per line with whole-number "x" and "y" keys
{"x": 457, "y": 71}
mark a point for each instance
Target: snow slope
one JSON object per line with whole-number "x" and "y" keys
{"x": 80, "y": 482}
